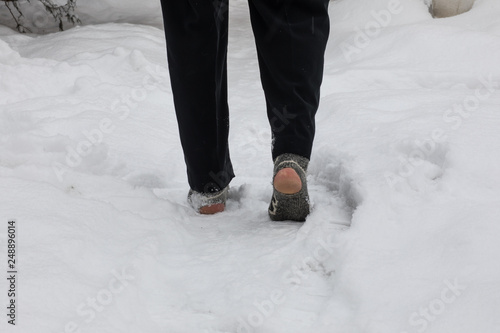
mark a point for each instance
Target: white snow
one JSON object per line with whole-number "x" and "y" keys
{"x": 404, "y": 179}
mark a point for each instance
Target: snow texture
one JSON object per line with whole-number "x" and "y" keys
{"x": 403, "y": 236}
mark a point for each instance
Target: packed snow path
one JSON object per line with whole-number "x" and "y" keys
{"x": 404, "y": 179}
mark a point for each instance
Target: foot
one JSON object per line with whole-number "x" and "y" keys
{"x": 287, "y": 181}
{"x": 212, "y": 209}
{"x": 208, "y": 203}
{"x": 290, "y": 199}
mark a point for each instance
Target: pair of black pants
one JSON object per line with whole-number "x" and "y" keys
{"x": 291, "y": 37}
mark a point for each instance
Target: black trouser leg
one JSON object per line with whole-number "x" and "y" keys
{"x": 196, "y": 33}
{"x": 291, "y": 38}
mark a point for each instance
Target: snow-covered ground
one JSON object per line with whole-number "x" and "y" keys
{"x": 404, "y": 179}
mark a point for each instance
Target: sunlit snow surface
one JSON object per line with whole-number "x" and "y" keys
{"x": 404, "y": 181}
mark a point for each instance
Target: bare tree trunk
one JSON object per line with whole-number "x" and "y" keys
{"x": 446, "y": 8}
{"x": 59, "y": 12}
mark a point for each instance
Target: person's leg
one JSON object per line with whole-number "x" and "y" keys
{"x": 196, "y": 34}
{"x": 291, "y": 37}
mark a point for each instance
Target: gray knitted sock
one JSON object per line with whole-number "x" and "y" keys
{"x": 198, "y": 200}
{"x": 295, "y": 206}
